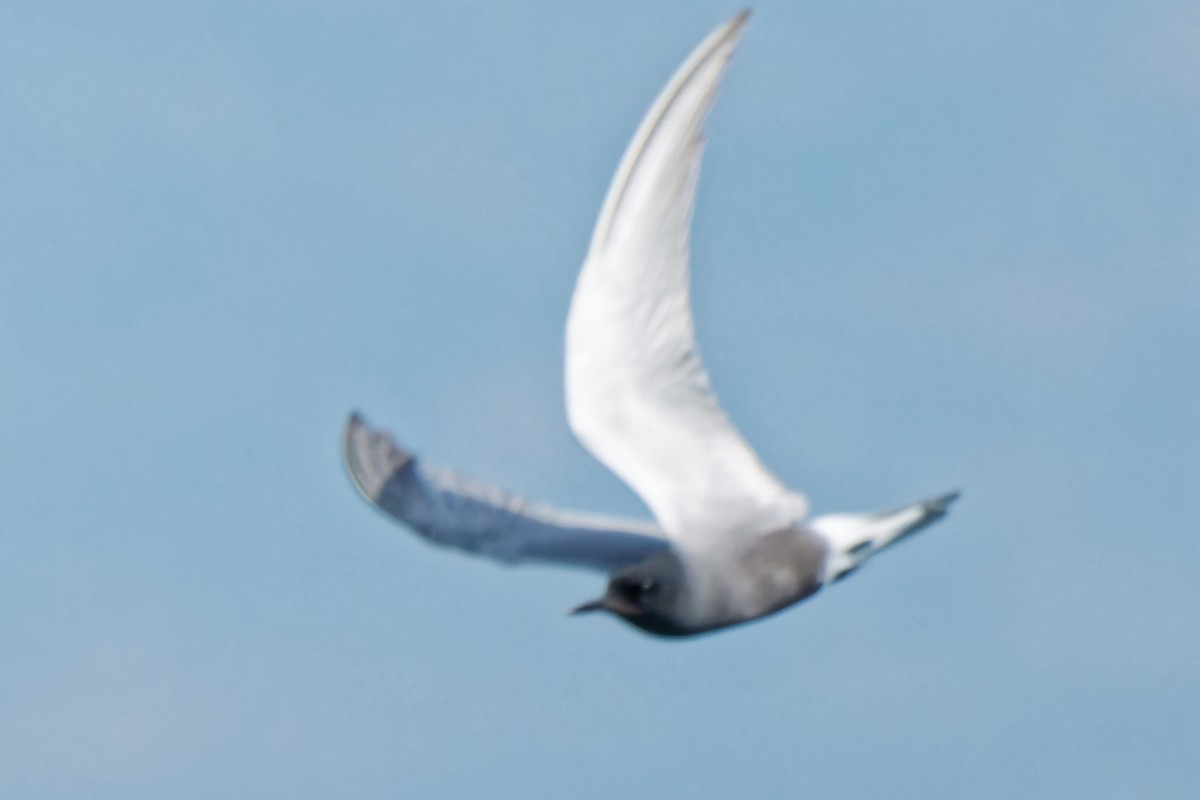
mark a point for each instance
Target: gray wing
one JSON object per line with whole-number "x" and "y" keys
{"x": 451, "y": 510}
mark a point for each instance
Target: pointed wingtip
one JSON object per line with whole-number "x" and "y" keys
{"x": 355, "y": 454}
{"x": 354, "y": 423}
{"x": 352, "y": 438}
{"x": 371, "y": 456}
{"x": 716, "y": 48}
{"x": 733, "y": 28}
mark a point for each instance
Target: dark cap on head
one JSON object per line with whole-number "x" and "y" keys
{"x": 645, "y": 595}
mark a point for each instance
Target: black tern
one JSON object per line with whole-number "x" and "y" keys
{"x": 732, "y": 543}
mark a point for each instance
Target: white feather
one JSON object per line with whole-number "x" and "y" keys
{"x": 638, "y": 395}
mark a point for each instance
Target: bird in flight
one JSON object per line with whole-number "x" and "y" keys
{"x": 732, "y": 543}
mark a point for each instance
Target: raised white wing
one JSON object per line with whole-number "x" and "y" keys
{"x": 638, "y": 396}
{"x": 451, "y": 510}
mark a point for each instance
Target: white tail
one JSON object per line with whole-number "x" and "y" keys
{"x": 854, "y": 538}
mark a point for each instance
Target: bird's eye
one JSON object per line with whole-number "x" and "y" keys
{"x": 648, "y": 585}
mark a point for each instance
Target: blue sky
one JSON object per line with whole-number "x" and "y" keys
{"x": 938, "y": 245}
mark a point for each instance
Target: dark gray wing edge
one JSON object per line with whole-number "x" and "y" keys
{"x": 451, "y": 510}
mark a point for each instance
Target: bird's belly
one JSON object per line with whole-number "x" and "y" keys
{"x": 767, "y": 574}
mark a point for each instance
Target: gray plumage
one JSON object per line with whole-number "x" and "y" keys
{"x": 451, "y": 510}
{"x": 733, "y": 543}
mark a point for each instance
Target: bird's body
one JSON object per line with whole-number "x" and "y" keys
{"x": 732, "y": 543}
{"x": 741, "y": 580}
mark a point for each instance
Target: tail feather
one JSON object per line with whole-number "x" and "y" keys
{"x": 854, "y": 538}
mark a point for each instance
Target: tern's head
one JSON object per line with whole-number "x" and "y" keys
{"x": 649, "y": 595}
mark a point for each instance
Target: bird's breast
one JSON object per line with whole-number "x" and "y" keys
{"x": 757, "y": 575}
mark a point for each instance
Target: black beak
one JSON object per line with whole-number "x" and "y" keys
{"x": 613, "y": 605}
{"x": 593, "y": 605}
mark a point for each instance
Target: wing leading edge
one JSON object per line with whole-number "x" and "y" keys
{"x": 451, "y": 510}
{"x": 638, "y": 395}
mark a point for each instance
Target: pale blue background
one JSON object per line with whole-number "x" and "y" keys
{"x": 939, "y": 244}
